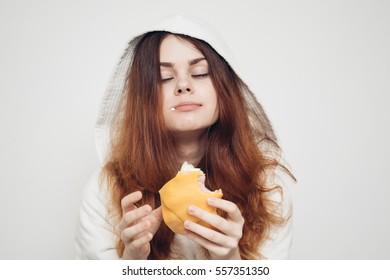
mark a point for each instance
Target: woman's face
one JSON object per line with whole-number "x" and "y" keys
{"x": 189, "y": 98}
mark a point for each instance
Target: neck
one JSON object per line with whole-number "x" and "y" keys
{"x": 190, "y": 147}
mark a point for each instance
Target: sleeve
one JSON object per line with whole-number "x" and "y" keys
{"x": 94, "y": 237}
{"x": 278, "y": 244}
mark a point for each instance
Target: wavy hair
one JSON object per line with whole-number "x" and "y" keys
{"x": 241, "y": 149}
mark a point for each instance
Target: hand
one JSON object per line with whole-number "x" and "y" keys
{"x": 138, "y": 226}
{"x": 221, "y": 244}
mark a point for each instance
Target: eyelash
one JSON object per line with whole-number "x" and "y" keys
{"x": 199, "y": 76}
{"x": 166, "y": 80}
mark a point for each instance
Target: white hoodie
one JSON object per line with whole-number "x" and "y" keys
{"x": 95, "y": 238}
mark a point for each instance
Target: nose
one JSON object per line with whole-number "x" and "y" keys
{"x": 183, "y": 86}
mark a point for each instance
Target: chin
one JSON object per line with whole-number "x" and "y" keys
{"x": 189, "y": 129}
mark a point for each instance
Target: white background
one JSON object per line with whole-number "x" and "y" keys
{"x": 321, "y": 69}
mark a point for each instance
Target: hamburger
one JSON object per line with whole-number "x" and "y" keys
{"x": 185, "y": 189}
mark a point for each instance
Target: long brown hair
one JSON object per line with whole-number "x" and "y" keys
{"x": 239, "y": 153}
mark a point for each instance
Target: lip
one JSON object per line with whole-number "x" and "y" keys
{"x": 186, "y": 106}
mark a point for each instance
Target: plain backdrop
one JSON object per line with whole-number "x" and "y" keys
{"x": 321, "y": 69}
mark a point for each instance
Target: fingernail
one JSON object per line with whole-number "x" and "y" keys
{"x": 210, "y": 200}
{"x": 148, "y": 209}
{"x": 187, "y": 224}
{"x": 138, "y": 194}
{"x": 191, "y": 209}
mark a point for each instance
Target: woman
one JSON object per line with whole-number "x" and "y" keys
{"x": 175, "y": 97}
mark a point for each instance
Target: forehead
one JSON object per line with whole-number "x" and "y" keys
{"x": 175, "y": 50}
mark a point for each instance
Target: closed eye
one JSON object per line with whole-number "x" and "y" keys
{"x": 201, "y": 76}
{"x": 166, "y": 80}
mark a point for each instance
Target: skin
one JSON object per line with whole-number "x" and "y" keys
{"x": 186, "y": 87}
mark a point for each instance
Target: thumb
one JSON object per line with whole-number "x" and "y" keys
{"x": 157, "y": 213}
{"x": 155, "y": 218}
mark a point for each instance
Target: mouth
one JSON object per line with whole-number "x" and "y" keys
{"x": 186, "y": 107}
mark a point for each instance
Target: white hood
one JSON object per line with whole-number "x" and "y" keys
{"x": 180, "y": 24}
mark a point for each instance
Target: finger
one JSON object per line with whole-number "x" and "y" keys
{"x": 127, "y": 203}
{"x": 209, "y": 238}
{"x": 216, "y": 221}
{"x": 135, "y": 232}
{"x": 211, "y": 247}
{"x": 133, "y": 216}
{"x": 138, "y": 243}
{"x": 155, "y": 218}
{"x": 157, "y": 213}
{"x": 229, "y": 207}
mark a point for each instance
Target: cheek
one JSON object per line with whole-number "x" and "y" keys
{"x": 165, "y": 97}
{"x": 165, "y": 111}
{"x": 214, "y": 104}
{"x": 165, "y": 105}
{"x": 215, "y": 111}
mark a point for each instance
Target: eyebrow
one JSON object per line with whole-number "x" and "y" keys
{"x": 191, "y": 62}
